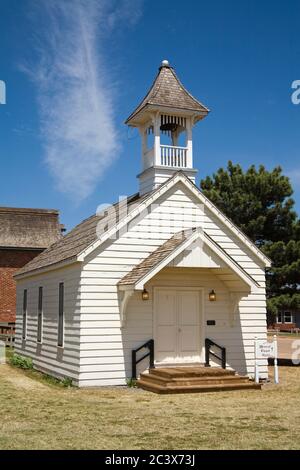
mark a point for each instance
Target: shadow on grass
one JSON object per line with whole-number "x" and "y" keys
{"x": 283, "y": 362}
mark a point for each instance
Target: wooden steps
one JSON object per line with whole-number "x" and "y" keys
{"x": 193, "y": 380}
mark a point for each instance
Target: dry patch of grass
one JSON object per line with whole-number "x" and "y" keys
{"x": 284, "y": 335}
{"x": 35, "y": 415}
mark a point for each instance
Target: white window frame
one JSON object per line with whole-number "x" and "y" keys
{"x": 279, "y": 317}
{"x": 290, "y": 313}
{"x": 282, "y": 316}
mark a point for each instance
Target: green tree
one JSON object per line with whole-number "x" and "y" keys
{"x": 260, "y": 203}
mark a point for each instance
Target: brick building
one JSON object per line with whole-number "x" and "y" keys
{"x": 24, "y": 233}
{"x": 286, "y": 320}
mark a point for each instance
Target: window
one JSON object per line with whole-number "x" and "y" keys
{"x": 60, "y": 339}
{"x": 24, "y": 313}
{"x": 40, "y": 316}
{"x": 285, "y": 317}
{"x": 279, "y": 317}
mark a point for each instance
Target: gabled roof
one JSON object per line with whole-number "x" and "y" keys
{"x": 77, "y": 240}
{"x": 150, "y": 198}
{"x": 83, "y": 239}
{"x": 154, "y": 259}
{"x": 168, "y": 91}
{"x": 24, "y": 228}
{"x": 163, "y": 255}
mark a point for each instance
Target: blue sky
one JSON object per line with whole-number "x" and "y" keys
{"x": 74, "y": 70}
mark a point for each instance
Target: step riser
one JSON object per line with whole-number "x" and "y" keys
{"x": 187, "y": 375}
{"x": 168, "y": 390}
{"x": 187, "y": 382}
{"x": 194, "y": 380}
{"x": 179, "y": 364}
{"x": 226, "y": 378}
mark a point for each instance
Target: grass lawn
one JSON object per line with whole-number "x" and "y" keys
{"x": 38, "y": 415}
{"x": 285, "y": 335}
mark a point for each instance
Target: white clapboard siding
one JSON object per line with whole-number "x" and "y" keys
{"x": 175, "y": 211}
{"x": 47, "y": 357}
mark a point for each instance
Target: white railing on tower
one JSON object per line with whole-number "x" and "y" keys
{"x": 173, "y": 156}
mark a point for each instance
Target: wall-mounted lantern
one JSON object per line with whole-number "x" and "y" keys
{"x": 212, "y": 296}
{"x": 145, "y": 295}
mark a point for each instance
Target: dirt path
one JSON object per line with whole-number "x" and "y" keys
{"x": 18, "y": 379}
{"x": 285, "y": 347}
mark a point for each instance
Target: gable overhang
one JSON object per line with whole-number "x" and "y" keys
{"x": 143, "y": 206}
{"x": 247, "y": 280}
{"x": 142, "y": 116}
{"x": 45, "y": 269}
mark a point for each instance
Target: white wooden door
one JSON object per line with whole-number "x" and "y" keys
{"x": 165, "y": 338}
{"x": 177, "y": 326}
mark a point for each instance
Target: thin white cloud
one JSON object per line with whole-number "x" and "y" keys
{"x": 75, "y": 89}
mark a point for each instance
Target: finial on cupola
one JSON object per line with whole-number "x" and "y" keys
{"x": 165, "y": 119}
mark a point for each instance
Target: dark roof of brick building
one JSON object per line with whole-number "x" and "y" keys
{"x": 28, "y": 228}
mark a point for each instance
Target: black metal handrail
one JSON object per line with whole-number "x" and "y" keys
{"x": 150, "y": 345}
{"x": 208, "y": 353}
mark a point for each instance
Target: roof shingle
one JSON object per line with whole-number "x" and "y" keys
{"x": 167, "y": 90}
{"x": 28, "y": 228}
{"x": 78, "y": 239}
{"x": 155, "y": 258}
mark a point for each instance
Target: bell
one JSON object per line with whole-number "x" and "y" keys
{"x": 169, "y": 126}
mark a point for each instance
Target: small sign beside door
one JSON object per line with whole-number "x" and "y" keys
{"x": 265, "y": 349}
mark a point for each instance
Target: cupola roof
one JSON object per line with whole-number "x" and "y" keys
{"x": 167, "y": 91}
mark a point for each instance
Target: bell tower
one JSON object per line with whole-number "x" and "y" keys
{"x": 165, "y": 119}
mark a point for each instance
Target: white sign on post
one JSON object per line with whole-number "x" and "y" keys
{"x": 263, "y": 350}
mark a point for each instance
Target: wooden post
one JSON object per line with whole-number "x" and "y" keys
{"x": 276, "y": 378}
{"x": 143, "y": 134}
{"x": 256, "y": 374}
{"x": 189, "y": 143}
{"x": 157, "y": 150}
{"x": 2, "y": 352}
